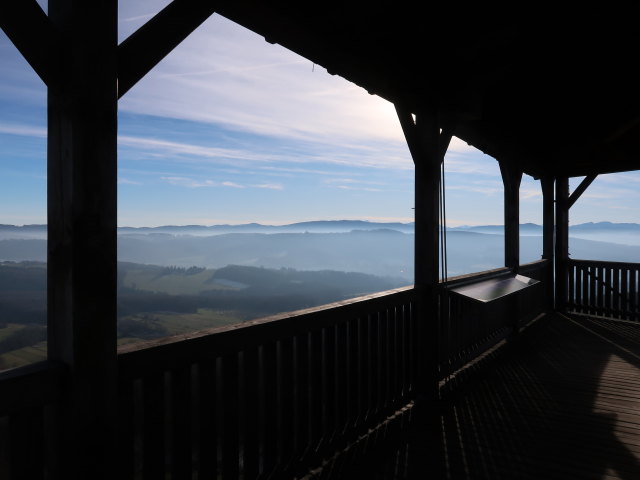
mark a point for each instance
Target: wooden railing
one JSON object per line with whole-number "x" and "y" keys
{"x": 467, "y": 328}
{"x": 266, "y": 398}
{"x": 604, "y": 288}
{"x": 28, "y": 398}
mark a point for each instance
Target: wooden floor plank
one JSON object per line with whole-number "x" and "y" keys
{"x": 560, "y": 402}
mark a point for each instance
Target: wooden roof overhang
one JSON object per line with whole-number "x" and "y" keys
{"x": 556, "y": 94}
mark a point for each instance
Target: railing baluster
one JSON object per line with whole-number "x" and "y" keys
{"x": 586, "y": 308}
{"x": 315, "y": 393}
{"x": 250, "y": 407}
{"x": 285, "y": 401}
{"x": 301, "y": 410}
{"x": 593, "y": 290}
{"x": 634, "y": 295}
{"x": 577, "y": 270}
{"x": 230, "y": 433}
{"x": 341, "y": 373}
{"x": 181, "y": 422}
{"x": 26, "y": 448}
{"x": 616, "y": 293}
{"x": 126, "y": 432}
{"x": 383, "y": 342}
{"x": 572, "y": 285}
{"x": 402, "y": 350}
{"x": 392, "y": 332}
{"x": 269, "y": 408}
{"x": 353, "y": 377}
{"x": 608, "y": 291}
{"x": 366, "y": 376}
{"x": 624, "y": 290}
{"x": 207, "y": 425}
{"x": 154, "y": 431}
{"x": 329, "y": 382}
{"x": 374, "y": 372}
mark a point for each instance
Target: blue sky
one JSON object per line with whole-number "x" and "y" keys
{"x": 231, "y": 129}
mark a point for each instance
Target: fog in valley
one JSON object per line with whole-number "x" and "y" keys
{"x": 173, "y": 279}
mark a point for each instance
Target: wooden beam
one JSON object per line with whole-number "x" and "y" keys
{"x": 82, "y": 213}
{"x": 547, "y": 185}
{"x": 145, "y": 48}
{"x": 408, "y": 125}
{"x": 511, "y": 178}
{"x": 562, "y": 242}
{"x": 33, "y": 34}
{"x": 588, "y": 180}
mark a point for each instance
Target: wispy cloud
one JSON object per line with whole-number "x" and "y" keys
{"x": 198, "y": 183}
{"x": 352, "y": 187}
{"x": 353, "y": 184}
{"x": 127, "y": 181}
{"x": 357, "y": 156}
{"x": 530, "y": 193}
{"x": 136, "y": 18}
{"x": 477, "y": 189}
{"x": 189, "y": 182}
{"x": 23, "y": 130}
{"x": 350, "y": 181}
{"x": 269, "y": 186}
{"x": 194, "y": 151}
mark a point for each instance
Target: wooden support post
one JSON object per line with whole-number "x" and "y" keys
{"x": 547, "y": 186}
{"x": 428, "y": 147}
{"x": 511, "y": 178}
{"x": 562, "y": 242}
{"x": 82, "y": 118}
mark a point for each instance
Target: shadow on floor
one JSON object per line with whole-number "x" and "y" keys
{"x": 562, "y": 401}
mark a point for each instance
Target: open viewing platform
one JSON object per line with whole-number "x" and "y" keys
{"x": 532, "y": 376}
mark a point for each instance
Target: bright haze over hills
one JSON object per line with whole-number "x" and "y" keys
{"x": 381, "y": 249}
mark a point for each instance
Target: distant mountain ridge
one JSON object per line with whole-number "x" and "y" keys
{"x": 319, "y": 226}
{"x": 377, "y": 251}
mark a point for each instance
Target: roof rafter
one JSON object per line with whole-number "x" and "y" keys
{"x": 580, "y": 190}
{"x": 33, "y": 34}
{"x": 146, "y": 47}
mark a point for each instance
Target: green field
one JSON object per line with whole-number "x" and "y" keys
{"x": 159, "y": 301}
{"x": 9, "y": 330}
{"x": 169, "y": 323}
{"x": 173, "y": 281}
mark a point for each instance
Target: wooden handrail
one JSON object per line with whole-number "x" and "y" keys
{"x": 605, "y": 263}
{"x": 494, "y": 273}
{"x": 30, "y": 386}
